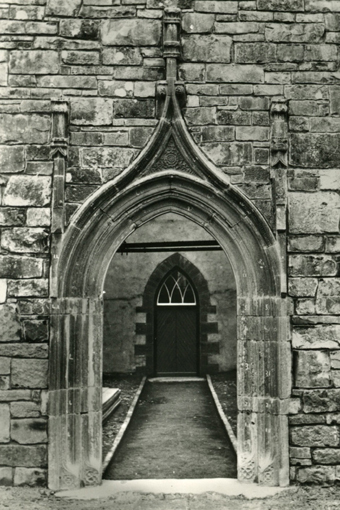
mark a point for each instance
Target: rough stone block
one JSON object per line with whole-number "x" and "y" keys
{"x": 207, "y": 48}
{"x": 25, "y": 240}
{"x": 30, "y": 476}
{"x": 25, "y": 190}
{"x": 197, "y": 23}
{"x": 200, "y": 116}
{"x": 9, "y": 324}
{"x": 312, "y": 265}
{"x": 280, "y": 5}
{"x": 28, "y": 288}
{"x": 123, "y": 56}
{"x": 192, "y": 72}
{"x": 6, "y": 476}
{"x": 79, "y": 28}
{"x": 27, "y": 456}
{"x": 246, "y": 53}
{"x": 305, "y": 306}
{"x": 317, "y": 435}
{"x": 34, "y": 62}
{"x": 38, "y": 217}
{"x": 144, "y": 89}
{"x": 29, "y": 373}
{"x": 299, "y": 453}
{"x": 290, "y": 52}
{"x": 317, "y": 474}
{"x": 12, "y": 159}
{"x": 233, "y": 117}
{"x": 237, "y": 28}
{"x": 322, "y": 5}
{"x": 94, "y": 110}
{"x": 29, "y": 430}
{"x": 117, "y": 157}
{"x": 302, "y": 92}
{"x": 133, "y": 108}
{"x": 312, "y": 369}
{"x": 228, "y": 153}
{"x": 326, "y": 456}
{"x": 302, "y": 287}
{"x": 24, "y": 350}
{"x": 20, "y": 267}
{"x": 35, "y": 330}
{"x": 12, "y": 217}
{"x": 318, "y": 337}
{"x": 235, "y": 73}
{"x": 63, "y": 7}
{"x": 305, "y": 243}
{"x": 131, "y": 32}
{"x": 314, "y": 212}
{"x": 295, "y": 32}
{"x": 67, "y": 82}
{"x": 4, "y": 423}
{"x": 3, "y": 290}
{"x": 25, "y": 410}
{"x": 24, "y": 128}
{"x": 315, "y": 150}
{"x": 5, "y": 366}
{"x": 220, "y": 7}
{"x": 254, "y": 133}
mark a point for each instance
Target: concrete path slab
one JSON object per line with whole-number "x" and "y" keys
{"x": 226, "y": 486}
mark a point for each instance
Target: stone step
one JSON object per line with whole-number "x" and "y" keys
{"x": 111, "y": 398}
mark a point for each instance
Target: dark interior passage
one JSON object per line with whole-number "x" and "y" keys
{"x": 175, "y": 433}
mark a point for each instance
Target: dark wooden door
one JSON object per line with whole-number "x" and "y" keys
{"x": 176, "y": 340}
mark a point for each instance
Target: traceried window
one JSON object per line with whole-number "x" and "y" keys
{"x": 176, "y": 290}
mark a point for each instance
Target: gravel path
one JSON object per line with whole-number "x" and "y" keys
{"x": 175, "y": 433}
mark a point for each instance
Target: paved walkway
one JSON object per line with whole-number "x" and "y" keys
{"x": 175, "y": 433}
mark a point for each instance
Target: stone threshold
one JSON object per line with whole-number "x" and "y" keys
{"x": 226, "y": 486}
{"x": 111, "y": 398}
{"x": 124, "y": 426}
{"x": 175, "y": 379}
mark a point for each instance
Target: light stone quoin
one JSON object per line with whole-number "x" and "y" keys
{"x": 121, "y": 118}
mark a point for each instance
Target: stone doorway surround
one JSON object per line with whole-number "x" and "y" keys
{"x": 169, "y": 175}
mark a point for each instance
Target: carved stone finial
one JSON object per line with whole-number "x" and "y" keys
{"x": 171, "y": 38}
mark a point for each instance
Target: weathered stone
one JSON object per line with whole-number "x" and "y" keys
{"x": 207, "y": 48}
{"x": 11, "y": 159}
{"x": 322, "y": 401}
{"x": 29, "y": 430}
{"x": 30, "y": 476}
{"x": 302, "y": 92}
{"x": 28, "y": 288}
{"x": 131, "y": 32}
{"x": 79, "y": 193}
{"x": 335, "y": 359}
{"x": 255, "y": 133}
{"x": 62, "y": 7}
{"x": 34, "y": 306}
{"x": 20, "y": 267}
{"x": 17, "y": 455}
{"x": 107, "y": 157}
{"x": 3, "y": 290}
{"x": 5, "y": 366}
{"x": 315, "y": 150}
{"x": 129, "y": 108}
{"x": 192, "y": 72}
{"x": 299, "y": 453}
{"x": 4, "y": 423}
{"x": 94, "y": 110}
{"x": 34, "y": 62}
{"x": 67, "y": 82}
{"x": 25, "y": 240}
{"x": 328, "y": 298}
{"x": 305, "y": 306}
{"x": 305, "y": 243}
{"x": 255, "y": 53}
{"x": 79, "y": 28}
{"x": 322, "y": 5}
{"x": 144, "y": 89}
{"x": 232, "y": 153}
{"x": 314, "y": 213}
{"x": 307, "y": 419}
{"x": 312, "y": 265}
{"x": 35, "y": 330}
{"x": 38, "y": 217}
{"x": 317, "y": 474}
{"x": 312, "y": 369}
{"x": 237, "y": 28}
{"x": 233, "y": 117}
{"x": 299, "y": 32}
{"x": 6, "y": 476}
{"x": 310, "y": 108}
{"x": 116, "y": 88}
{"x": 122, "y": 56}
{"x": 302, "y": 287}
{"x": 319, "y": 337}
{"x": 326, "y": 456}
{"x": 24, "y": 128}
{"x": 23, "y": 190}
{"x": 140, "y": 136}
{"x": 280, "y": 5}
{"x": 25, "y": 410}
{"x": 12, "y": 217}
{"x": 9, "y": 324}
{"x": 220, "y": 7}
{"x": 234, "y": 73}
{"x": 29, "y": 373}
{"x": 317, "y": 435}
{"x": 197, "y": 23}
{"x": 24, "y": 350}
{"x": 13, "y": 395}
{"x": 201, "y": 115}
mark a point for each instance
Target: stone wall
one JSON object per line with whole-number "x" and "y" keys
{"x": 263, "y": 103}
{"x": 125, "y": 283}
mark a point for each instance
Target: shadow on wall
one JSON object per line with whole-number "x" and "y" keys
{"x": 128, "y": 275}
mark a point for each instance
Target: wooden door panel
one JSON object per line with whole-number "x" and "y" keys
{"x": 176, "y": 340}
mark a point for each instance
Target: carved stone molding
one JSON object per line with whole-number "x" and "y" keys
{"x": 279, "y": 133}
